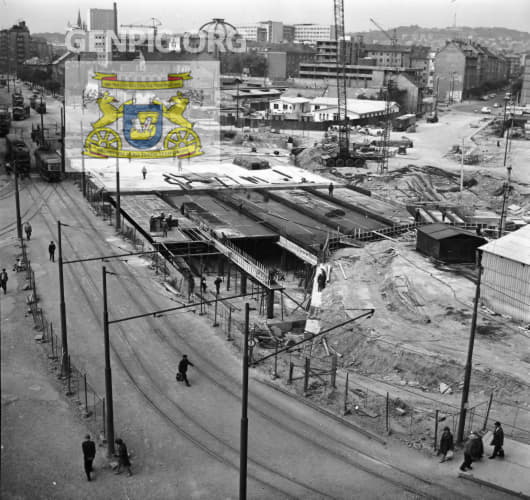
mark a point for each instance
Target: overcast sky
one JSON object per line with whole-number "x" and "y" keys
{"x": 53, "y": 15}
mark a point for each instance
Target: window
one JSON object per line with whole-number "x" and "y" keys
{"x": 285, "y": 106}
{"x": 275, "y": 106}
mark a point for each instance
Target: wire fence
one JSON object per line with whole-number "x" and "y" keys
{"x": 75, "y": 384}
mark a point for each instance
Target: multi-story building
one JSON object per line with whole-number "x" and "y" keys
{"x": 525, "y": 89}
{"x": 514, "y": 65}
{"x": 14, "y": 47}
{"x": 274, "y": 31}
{"x": 101, "y": 19}
{"x": 288, "y": 33}
{"x": 253, "y": 32}
{"x": 284, "y": 59}
{"x": 400, "y": 56}
{"x": 462, "y": 68}
{"x": 313, "y": 32}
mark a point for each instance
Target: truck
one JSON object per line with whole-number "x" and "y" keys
{"x": 17, "y": 99}
{"x": 21, "y": 112}
{"x": 5, "y": 120}
{"x": 17, "y": 154}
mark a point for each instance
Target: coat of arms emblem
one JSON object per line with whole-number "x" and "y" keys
{"x": 143, "y": 126}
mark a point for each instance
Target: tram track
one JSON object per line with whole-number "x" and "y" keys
{"x": 165, "y": 406}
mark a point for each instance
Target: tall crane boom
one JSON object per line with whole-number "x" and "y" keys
{"x": 154, "y": 25}
{"x": 344, "y": 140}
{"x": 387, "y": 86}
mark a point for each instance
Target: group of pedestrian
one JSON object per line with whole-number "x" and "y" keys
{"x": 3, "y": 280}
{"x": 89, "y": 454}
{"x": 473, "y": 447}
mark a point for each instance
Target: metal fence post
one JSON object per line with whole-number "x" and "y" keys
{"x": 436, "y": 430}
{"x": 291, "y": 369}
{"x": 487, "y": 412}
{"x": 86, "y": 395}
{"x": 306, "y": 373}
{"x": 386, "y": 412}
{"x": 333, "y": 371}
{"x": 345, "y": 411}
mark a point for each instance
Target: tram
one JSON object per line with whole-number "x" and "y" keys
{"x": 48, "y": 164}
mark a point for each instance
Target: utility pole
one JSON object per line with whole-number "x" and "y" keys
{"x": 17, "y": 200}
{"x": 506, "y": 185}
{"x": 108, "y": 373}
{"x": 83, "y": 173}
{"x": 462, "y": 170}
{"x": 62, "y": 306}
{"x": 63, "y": 146}
{"x": 42, "y": 123}
{"x": 118, "y": 207}
{"x": 244, "y": 418}
{"x": 467, "y": 372}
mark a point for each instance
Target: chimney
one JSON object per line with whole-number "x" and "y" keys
{"x": 115, "y": 19}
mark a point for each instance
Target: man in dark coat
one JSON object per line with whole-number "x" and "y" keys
{"x": 183, "y": 368}
{"x": 28, "y": 229}
{"x": 89, "y": 453}
{"x": 51, "y": 251}
{"x": 3, "y": 280}
{"x": 498, "y": 441}
{"x": 472, "y": 451}
{"x": 123, "y": 457}
{"x": 446, "y": 443}
{"x": 217, "y": 284}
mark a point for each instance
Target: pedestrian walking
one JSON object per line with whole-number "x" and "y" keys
{"x": 144, "y": 172}
{"x": 51, "y": 250}
{"x": 27, "y": 230}
{"x": 217, "y": 284}
{"x": 498, "y": 441}
{"x": 165, "y": 227}
{"x": 417, "y": 216}
{"x": 123, "y": 457}
{"x": 471, "y": 451}
{"x": 183, "y": 369}
{"x": 321, "y": 280}
{"x": 446, "y": 445}
{"x": 89, "y": 453}
{"x": 203, "y": 285}
{"x": 330, "y": 189}
{"x": 3, "y": 280}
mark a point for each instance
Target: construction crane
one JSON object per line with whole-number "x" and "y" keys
{"x": 154, "y": 25}
{"x": 344, "y": 157}
{"x": 388, "y": 85}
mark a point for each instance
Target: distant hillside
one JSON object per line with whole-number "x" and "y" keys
{"x": 500, "y": 39}
{"x": 51, "y": 37}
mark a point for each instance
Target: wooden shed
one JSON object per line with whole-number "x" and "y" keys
{"x": 448, "y": 243}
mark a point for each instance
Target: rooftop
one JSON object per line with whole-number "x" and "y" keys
{"x": 514, "y": 246}
{"x": 441, "y": 231}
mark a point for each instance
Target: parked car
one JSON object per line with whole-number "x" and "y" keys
{"x": 496, "y": 105}
{"x": 492, "y": 96}
{"x": 485, "y": 110}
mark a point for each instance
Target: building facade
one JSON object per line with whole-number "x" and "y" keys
{"x": 14, "y": 48}
{"x": 462, "y": 68}
{"x": 525, "y": 89}
{"x": 253, "y": 32}
{"x": 101, "y": 19}
{"x": 313, "y": 32}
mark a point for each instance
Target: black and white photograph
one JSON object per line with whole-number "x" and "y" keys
{"x": 265, "y": 250}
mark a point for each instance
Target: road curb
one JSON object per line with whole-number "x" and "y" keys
{"x": 495, "y": 486}
{"x": 335, "y": 417}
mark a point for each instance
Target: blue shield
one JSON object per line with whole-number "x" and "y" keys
{"x": 142, "y": 124}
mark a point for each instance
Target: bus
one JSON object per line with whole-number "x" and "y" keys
{"x": 402, "y": 123}
{"x": 17, "y": 154}
{"x": 48, "y": 164}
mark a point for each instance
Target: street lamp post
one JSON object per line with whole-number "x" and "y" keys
{"x": 108, "y": 373}
{"x": 118, "y": 204}
{"x": 467, "y": 372}
{"x": 244, "y": 418}
{"x": 62, "y": 305}
{"x": 17, "y": 200}
{"x": 506, "y": 185}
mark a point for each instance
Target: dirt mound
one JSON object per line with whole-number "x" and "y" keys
{"x": 310, "y": 158}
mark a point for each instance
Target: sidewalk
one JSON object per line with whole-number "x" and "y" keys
{"x": 510, "y": 474}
